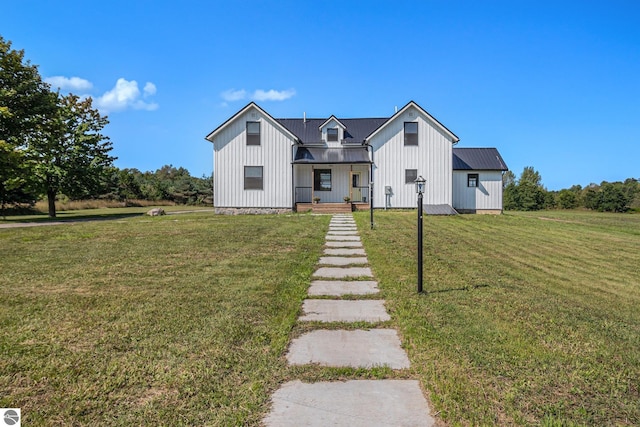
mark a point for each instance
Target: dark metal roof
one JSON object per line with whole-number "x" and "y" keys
{"x": 308, "y": 131}
{"x": 320, "y": 155}
{"x": 478, "y": 159}
{"x": 439, "y": 210}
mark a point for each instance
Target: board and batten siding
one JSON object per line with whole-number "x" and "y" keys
{"x": 432, "y": 158}
{"x": 486, "y": 196}
{"x": 231, "y": 154}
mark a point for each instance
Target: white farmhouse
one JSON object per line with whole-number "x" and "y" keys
{"x": 263, "y": 164}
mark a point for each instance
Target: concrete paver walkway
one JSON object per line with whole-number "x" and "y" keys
{"x": 357, "y": 402}
{"x": 323, "y": 310}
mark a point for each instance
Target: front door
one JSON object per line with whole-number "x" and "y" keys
{"x": 356, "y": 191}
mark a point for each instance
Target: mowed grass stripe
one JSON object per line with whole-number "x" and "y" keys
{"x": 150, "y": 321}
{"x": 526, "y": 321}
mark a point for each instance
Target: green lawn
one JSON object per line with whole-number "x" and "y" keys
{"x": 179, "y": 320}
{"x": 529, "y": 318}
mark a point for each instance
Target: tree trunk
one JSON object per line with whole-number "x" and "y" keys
{"x": 51, "y": 198}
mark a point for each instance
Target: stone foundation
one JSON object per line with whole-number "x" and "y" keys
{"x": 251, "y": 211}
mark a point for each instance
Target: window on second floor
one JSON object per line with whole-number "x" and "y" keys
{"x": 410, "y": 133}
{"x": 332, "y": 134}
{"x": 253, "y": 133}
{"x": 472, "y": 180}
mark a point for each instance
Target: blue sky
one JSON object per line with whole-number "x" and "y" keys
{"x": 551, "y": 84}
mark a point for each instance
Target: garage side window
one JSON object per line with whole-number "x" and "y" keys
{"x": 472, "y": 180}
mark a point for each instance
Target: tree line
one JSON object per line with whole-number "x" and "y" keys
{"x": 528, "y": 194}
{"x": 52, "y": 145}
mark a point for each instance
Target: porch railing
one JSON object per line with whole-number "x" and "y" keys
{"x": 303, "y": 194}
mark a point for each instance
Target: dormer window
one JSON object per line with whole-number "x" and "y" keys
{"x": 332, "y": 134}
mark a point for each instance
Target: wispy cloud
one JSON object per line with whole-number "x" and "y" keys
{"x": 124, "y": 95}
{"x": 69, "y": 83}
{"x": 231, "y": 95}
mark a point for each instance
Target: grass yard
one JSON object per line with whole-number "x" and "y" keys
{"x": 175, "y": 320}
{"x": 529, "y": 319}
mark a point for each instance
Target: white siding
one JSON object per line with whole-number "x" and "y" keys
{"x": 487, "y": 196}
{"x": 432, "y": 159}
{"x": 231, "y": 154}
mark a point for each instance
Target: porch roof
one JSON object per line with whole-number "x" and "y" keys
{"x": 322, "y": 155}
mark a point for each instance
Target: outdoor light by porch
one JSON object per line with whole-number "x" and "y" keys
{"x": 420, "y": 187}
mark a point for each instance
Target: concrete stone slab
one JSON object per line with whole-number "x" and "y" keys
{"x": 343, "y": 238}
{"x": 355, "y": 403}
{"x": 341, "y": 273}
{"x": 340, "y": 287}
{"x": 342, "y": 233}
{"x": 340, "y": 260}
{"x": 343, "y": 244}
{"x": 343, "y": 251}
{"x": 334, "y": 228}
{"x": 356, "y": 349}
{"x": 326, "y": 310}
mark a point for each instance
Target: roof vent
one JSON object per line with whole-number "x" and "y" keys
{"x": 304, "y": 117}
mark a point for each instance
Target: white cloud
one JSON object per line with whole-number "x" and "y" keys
{"x": 149, "y": 89}
{"x": 124, "y": 95}
{"x": 233, "y": 95}
{"x": 68, "y": 83}
{"x": 273, "y": 95}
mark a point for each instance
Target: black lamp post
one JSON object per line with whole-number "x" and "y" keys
{"x": 420, "y": 185}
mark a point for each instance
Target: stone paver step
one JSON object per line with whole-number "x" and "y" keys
{"x": 342, "y": 233}
{"x": 343, "y": 244}
{"x": 343, "y": 251}
{"x": 339, "y": 287}
{"x": 323, "y": 310}
{"x": 356, "y": 349}
{"x": 343, "y": 272}
{"x": 355, "y": 403}
{"x": 343, "y": 238}
{"x": 336, "y": 260}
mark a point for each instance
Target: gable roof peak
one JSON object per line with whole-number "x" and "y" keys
{"x": 332, "y": 118}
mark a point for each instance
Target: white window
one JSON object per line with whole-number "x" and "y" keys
{"x": 410, "y": 133}
{"x": 332, "y": 134}
{"x": 253, "y": 133}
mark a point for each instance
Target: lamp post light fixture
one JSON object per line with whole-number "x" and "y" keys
{"x": 420, "y": 187}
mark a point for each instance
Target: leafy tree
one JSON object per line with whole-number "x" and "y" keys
{"x": 527, "y": 193}
{"x": 72, "y": 156}
{"x": 507, "y": 179}
{"x": 567, "y": 199}
{"x": 26, "y": 103}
